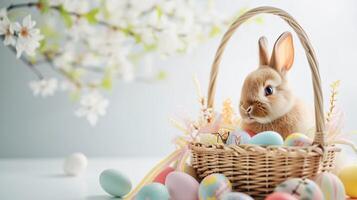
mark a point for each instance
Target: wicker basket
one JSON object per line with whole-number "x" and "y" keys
{"x": 256, "y": 170}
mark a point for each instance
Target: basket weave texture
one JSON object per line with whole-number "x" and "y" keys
{"x": 257, "y": 170}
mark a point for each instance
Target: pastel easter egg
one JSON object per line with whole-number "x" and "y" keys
{"x": 75, "y": 164}
{"x": 161, "y": 177}
{"x": 331, "y": 186}
{"x": 348, "y": 176}
{"x": 182, "y": 186}
{"x": 298, "y": 140}
{"x": 114, "y": 182}
{"x": 267, "y": 138}
{"x": 301, "y": 189}
{"x": 213, "y": 187}
{"x": 153, "y": 191}
{"x": 280, "y": 196}
{"x": 238, "y": 137}
{"x": 236, "y": 196}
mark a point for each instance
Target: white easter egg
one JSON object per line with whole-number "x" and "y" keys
{"x": 75, "y": 164}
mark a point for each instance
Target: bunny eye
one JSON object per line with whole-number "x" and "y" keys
{"x": 268, "y": 90}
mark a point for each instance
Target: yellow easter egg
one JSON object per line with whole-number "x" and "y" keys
{"x": 348, "y": 176}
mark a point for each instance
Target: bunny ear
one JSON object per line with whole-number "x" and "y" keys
{"x": 263, "y": 51}
{"x": 283, "y": 53}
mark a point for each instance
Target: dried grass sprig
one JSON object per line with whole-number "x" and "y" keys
{"x": 227, "y": 112}
{"x": 333, "y": 98}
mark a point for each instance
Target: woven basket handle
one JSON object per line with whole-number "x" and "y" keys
{"x": 310, "y": 54}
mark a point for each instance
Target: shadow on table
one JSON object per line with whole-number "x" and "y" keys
{"x": 59, "y": 175}
{"x": 101, "y": 197}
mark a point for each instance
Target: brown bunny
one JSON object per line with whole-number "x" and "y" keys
{"x": 267, "y": 103}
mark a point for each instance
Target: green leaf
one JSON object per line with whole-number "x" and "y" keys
{"x": 76, "y": 74}
{"x": 159, "y": 11}
{"x": 107, "y": 82}
{"x": 42, "y": 47}
{"x": 74, "y": 95}
{"x": 259, "y": 20}
{"x": 150, "y": 47}
{"x": 49, "y": 32}
{"x": 161, "y": 75}
{"x": 66, "y": 17}
{"x": 91, "y": 16}
{"x": 137, "y": 38}
{"x": 44, "y": 6}
{"x": 215, "y": 30}
{"x": 242, "y": 11}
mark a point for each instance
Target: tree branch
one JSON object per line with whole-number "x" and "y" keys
{"x": 22, "y": 5}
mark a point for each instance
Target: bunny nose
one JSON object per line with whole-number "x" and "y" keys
{"x": 249, "y": 109}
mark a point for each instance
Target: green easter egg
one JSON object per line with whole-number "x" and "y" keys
{"x": 115, "y": 182}
{"x": 153, "y": 191}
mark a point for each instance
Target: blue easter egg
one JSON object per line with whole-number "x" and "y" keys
{"x": 238, "y": 137}
{"x": 213, "y": 186}
{"x": 114, "y": 182}
{"x": 153, "y": 191}
{"x": 236, "y": 196}
{"x": 267, "y": 138}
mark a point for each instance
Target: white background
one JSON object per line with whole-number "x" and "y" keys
{"x": 137, "y": 120}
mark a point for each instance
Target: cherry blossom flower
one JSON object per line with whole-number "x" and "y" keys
{"x": 44, "y": 87}
{"x": 28, "y": 37}
{"x": 169, "y": 42}
{"x": 7, "y": 29}
{"x": 92, "y": 106}
{"x": 56, "y": 2}
{"x": 79, "y": 6}
{"x": 100, "y": 40}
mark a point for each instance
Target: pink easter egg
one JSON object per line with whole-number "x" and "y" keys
{"x": 182, "y": 186}
{"x": 280, "y": 196}
{"x": 161, "y": 177}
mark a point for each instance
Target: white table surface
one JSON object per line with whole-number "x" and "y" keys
{"x": 39, "y": 179}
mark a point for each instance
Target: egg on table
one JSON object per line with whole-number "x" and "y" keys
{"x": 235, "y": 196}
{"x": 75, "y": 164}
{"x": 280, "y": 196}
{"x": 298, "y": 140}
{"x": 331, "y": 186}
{"x": 115, "y": 183}
{"x": 238, "y": 137}
{"x": 301, "y": 189}
{"x": 213, "y": 186}
{"x": 348, "y": 176}
{"x": 161, "y": 177}
{"x": 267, "y": 138}
{"x": 182, "y": 186}
{"x": 153, "y": 191}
